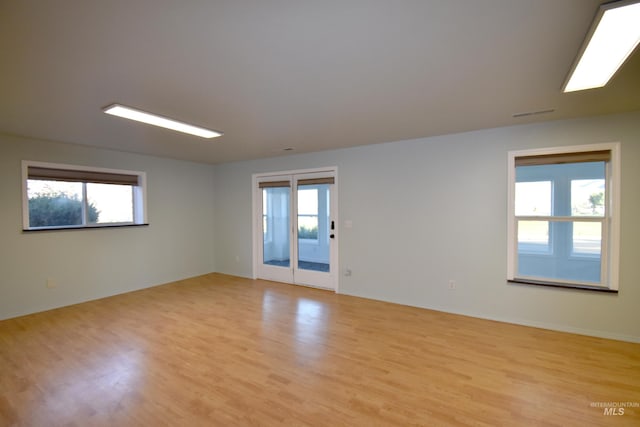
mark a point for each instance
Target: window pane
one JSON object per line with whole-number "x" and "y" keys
{"x": 54, "y": 203}
{"x": 265, "y": 223}
{"x": 308, "y": 201}
{"x": 109, "y": 203}
{"x": 587, "y": 197}
{"x": 533, "y": 198}
{"x": 533, "y": 237}
{"x": 308, "y": 213}
{"x": 557, "y": 265}
{"x": 308, "y": 227}
{"x": 587, "y": 238}
{"x": 276, "y": 226}
{"x": 313, "y": 227}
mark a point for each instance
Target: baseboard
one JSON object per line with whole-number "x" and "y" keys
{"x": 521, "y": 322}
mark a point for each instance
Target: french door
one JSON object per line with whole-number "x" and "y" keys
{"x": 295, "y": 228}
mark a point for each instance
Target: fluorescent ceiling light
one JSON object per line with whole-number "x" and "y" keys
{"x": 153, "y": 119}
{"x": 614, "y": 34}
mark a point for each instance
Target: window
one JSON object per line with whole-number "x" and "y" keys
{"x": 65, "y": 196}
{"x": 308, "y": 213}
{"x": 564, "y": 217}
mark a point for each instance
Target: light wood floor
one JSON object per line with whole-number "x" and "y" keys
{"x": 219, "y": 350}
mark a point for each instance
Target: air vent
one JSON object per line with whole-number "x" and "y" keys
{"x": 534, "y": 113}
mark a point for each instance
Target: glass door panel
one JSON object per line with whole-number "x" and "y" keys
{"x": 313, "y": 227}
{"x": 276, "y": 223}
{"x": 315, "y": 240}
{"x": 275, "y": 220}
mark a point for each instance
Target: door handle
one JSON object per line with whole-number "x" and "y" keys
{"x": 333, "y": 226}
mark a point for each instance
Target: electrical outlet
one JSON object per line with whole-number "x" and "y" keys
{"x": 452, "y": 284}
{"x": 51, "y": 283}
{"x": 347, "y": 272}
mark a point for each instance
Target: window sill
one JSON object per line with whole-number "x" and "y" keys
{"x": 562, "y": 285}
{"x": 81, "y": 227}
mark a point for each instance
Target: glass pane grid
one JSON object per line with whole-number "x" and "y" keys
{"x": 588, "y": 197}
{"x": 276, "y": 226}
{"x": 313, "y": 228}
{"x": 109, "y": 203}
{"x": 561, "y": 220}
{"x": 533, "y": 236}
{"x": 54, "y": 203}
{"x": 533, "y": 198}
{"x": 308, "y": 227}
{"x": 587, "y": 238}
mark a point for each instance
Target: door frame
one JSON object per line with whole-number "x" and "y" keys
{"x": 256, "y": 218}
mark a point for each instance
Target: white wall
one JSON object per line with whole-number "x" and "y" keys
{"x": 437, "y": 209}
{"x": 90, "y": 264}
{"x": 438, "y": 205}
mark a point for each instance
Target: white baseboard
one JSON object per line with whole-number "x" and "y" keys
{"x": 522, "y": 322}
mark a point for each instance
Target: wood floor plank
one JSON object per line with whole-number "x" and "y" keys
{"x": 222, "y": 350}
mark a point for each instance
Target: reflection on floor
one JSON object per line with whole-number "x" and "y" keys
{"x": 303, "y": 265}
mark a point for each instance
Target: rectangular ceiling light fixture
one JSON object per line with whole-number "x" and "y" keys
{"x": 154, "y": 119}
{"x": 614, "y": 34}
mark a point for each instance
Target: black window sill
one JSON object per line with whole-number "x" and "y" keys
{"x": 93, "y": 227}
{"x": 563, "y": 285}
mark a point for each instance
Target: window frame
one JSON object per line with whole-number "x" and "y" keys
{"x": 611, "y": 222}
{"x": 139, "y": 196}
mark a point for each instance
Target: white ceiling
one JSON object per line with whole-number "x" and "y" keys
{"x": 272, "y": 74}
